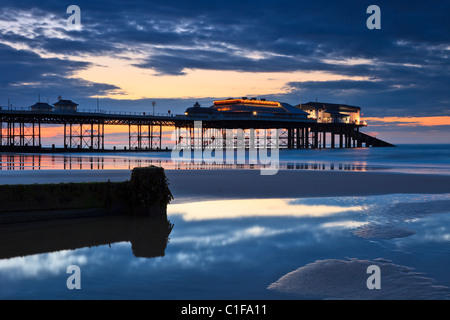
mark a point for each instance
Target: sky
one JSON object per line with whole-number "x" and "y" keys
{"x": 130, "y": 53}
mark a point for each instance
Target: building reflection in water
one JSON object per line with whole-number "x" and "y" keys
{"x": 148, "y": 236}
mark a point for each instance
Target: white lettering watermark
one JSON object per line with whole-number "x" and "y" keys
{"x": 74, "y": 281}
{"x": 374, "y": 281}
{"x": 231, "y": 146}
{"x": 74, "y": 21}
{"x": 374, "y": 21}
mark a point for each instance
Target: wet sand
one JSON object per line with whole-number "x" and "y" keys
{"x": 192, "y": 185}
{"x": 228, "y": 184}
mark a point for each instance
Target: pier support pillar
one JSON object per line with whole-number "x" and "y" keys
{"x": 316, "y": 138}
{"x": 350, "y": 137}
{"x": 332, "y": 140}
{"x": 19, "y": 134}
{"x": 142, "y": 136}
{"x": 346, "y": 138}
{"x": 306, "y": 138}
{"x": 83, "y": 136}
{"x": 291, "y": 130}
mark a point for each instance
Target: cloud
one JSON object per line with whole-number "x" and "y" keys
{"x": 37, "y": 266}
{"x": 405, "y": 64}
{"x": 30, "y": 75}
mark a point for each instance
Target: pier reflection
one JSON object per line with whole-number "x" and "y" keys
{"x": 117, "y": 162}
{"x": 148, "y": 235}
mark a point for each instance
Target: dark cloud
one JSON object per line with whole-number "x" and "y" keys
{"x": 29, "y": 75}
{"x": 174, "y": 61}
{"x": 26, "y": 66}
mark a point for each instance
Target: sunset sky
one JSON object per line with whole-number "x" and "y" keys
{"x": 130, "y": 53}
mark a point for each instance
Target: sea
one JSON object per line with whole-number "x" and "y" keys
{"x": 423, "y": 159}
{"x": 394, "y": 246}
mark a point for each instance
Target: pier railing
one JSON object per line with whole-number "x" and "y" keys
{"x": 90, "y": 111}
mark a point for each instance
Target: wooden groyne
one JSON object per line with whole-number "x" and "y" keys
{"x": 146, "y": 193}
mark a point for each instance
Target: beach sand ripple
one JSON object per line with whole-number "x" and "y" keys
{"x": 377, "y": 231}
{"x": 346, "y": 279}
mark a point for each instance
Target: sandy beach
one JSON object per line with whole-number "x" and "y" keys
{"x": 227, "y": 184}
{"x": 195, "y": 185}
{"x": 308, "y": 242}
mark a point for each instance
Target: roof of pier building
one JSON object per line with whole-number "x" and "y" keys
{"x": 329, "y": 107}
{"x": 245, "y": 105}
{"x": 41, "y": 106}
{"x": 65, "y": 103}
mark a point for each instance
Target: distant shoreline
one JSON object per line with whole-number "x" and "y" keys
{"x": 198, "y": 185}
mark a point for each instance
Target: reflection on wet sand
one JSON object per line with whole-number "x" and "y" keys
{"x": 107, "y": 162}
{"x": 245, "y": 208}
{"x": 387, "y": 221}
{"x": 148, "y": 235}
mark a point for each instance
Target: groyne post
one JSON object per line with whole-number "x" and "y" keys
{"x": 149, "y": 189}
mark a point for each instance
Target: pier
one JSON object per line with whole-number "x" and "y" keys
{"x": 84, "y": 130}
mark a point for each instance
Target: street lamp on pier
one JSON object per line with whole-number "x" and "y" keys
{"x": 154, "y": 104}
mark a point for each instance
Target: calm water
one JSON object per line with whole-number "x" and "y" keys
{"x": 242, "y": 249}
{"x": 434, "y": 159}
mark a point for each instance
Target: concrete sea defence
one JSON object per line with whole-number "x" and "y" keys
{"x": 146, "y": 193}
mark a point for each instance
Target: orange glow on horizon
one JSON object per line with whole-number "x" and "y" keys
{"x": 51, "y": 132}
{"x": 115, "y": 135}
{"x": 412, "y": 121}
{"x": 138, "y": 83}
